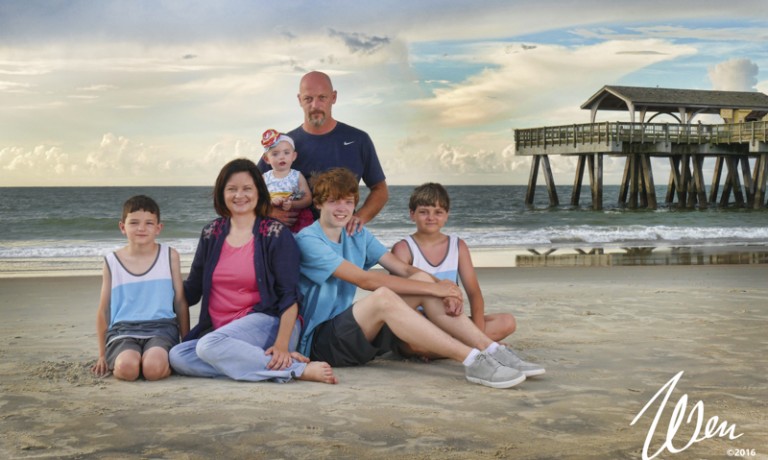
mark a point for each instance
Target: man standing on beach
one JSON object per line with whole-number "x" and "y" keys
{"x": 323, "y": 143}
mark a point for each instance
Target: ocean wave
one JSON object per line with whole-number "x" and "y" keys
{"x": 564, "y": 236}
{"x": 597, "y": 235}
{"x": 75, "y": 248}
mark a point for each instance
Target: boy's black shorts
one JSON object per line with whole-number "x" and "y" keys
{"x": 340, "y": 342}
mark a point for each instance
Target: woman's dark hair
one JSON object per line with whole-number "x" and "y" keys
{"x": 263, "y": 202}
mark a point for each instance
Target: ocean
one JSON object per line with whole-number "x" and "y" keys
{"x": 72, "y": 228}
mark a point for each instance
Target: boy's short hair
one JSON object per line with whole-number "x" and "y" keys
{"x": 429, "y": 194}
{"x": 334, "y": 184}
{"x": 140, "y": 203}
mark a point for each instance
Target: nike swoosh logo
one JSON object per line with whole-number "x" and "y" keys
{"x": 347, "y": 143}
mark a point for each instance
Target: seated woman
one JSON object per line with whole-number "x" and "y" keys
{"x": 246, "y": 272}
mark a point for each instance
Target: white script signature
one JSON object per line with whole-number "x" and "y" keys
{"x": 711, "y": 429}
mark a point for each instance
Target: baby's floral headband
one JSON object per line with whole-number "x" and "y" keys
{"x": 272, "y": 137}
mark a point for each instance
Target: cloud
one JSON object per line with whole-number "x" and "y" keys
{"x": 738, "y": 74}
{"x": 13, "y": 87}
{"x": 41, "y": 161}
{"x": 225, "y": 150}
{"x": 358, "y": 42}
{"x": 667, "y": 32}
{"x": 461, "y": 160}
{"x": 515, "y": 85}
{"x": 97, "y": 88}
{"x": 119, "y": 160}
{"x": 120, "y": 154}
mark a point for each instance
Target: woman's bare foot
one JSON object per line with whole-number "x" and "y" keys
{"x": 318, "y": 371}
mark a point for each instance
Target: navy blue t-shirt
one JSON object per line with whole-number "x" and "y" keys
{"x": 345, "y": 146}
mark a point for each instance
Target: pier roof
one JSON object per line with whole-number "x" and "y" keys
{"x": 670, "y": 100}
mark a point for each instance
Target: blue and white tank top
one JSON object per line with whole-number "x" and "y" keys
{"x": 141, "y": 297}
{"x": 447, "y": 269}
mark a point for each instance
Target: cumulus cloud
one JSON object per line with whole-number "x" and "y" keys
{"x": 225, "y": 150}
{"x": 117, "y": 153}
{"x": 462, "y": 160}
{"x": 738, "y": 74}
{"x": 119, "y": 160}
{"x": 41, "y": 161}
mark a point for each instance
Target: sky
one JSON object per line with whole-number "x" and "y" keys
{"x": 164, "y": 92}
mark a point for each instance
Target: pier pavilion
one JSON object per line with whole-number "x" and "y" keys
{"x": 742, "y": 135}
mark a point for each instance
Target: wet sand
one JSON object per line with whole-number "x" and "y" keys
{"x": 610, "y": 338}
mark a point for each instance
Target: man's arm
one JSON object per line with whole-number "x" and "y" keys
{"x": 286, "y": 217}
{"x": 374, "y": 203}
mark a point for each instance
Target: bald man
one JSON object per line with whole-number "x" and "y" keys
{"x": 323, "y": 143}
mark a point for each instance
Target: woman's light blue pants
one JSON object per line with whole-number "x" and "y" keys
{"x": 236, "y": 350}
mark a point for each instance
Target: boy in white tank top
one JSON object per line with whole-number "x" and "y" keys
{"x": 142, "y": 310}
{"x": 447, "y": 257}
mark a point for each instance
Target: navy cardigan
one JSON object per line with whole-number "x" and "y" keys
{"x": 276, "y": 260}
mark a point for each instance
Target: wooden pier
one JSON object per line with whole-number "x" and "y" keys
{"x": 686, "y": 145}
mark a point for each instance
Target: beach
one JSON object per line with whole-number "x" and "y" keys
{"x": 610, "y": 337}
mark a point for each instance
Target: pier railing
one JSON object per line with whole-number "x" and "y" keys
{"x": 609, "y": 133}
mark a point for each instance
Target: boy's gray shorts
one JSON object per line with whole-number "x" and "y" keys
{"x": 140, "y": 345}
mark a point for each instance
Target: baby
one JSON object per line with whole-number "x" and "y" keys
{"x": 288, "y": 188}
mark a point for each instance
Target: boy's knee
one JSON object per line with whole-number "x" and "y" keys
{"x": 511, "y": 324}
{"x": 126, "y": 368}
{"x": 155, "y": 364}
{"x": 503, "y": 325}
{"x": 385, "y": 297}
{"x": 155, "y": 369}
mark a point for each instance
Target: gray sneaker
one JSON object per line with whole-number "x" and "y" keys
{"x": 489, "y": 372}
{"x": 508, "y": 358}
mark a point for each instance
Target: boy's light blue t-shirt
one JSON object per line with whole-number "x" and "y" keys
{"x": 326, "y": 296}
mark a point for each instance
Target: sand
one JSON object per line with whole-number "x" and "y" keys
{"x": 610, "y": 338}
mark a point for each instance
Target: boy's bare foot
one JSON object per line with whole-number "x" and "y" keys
{"x": 318, "y": 371}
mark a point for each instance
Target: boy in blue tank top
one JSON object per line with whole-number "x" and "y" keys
{"x": 447, "y": 257}
{"x": 142, "y": 309}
